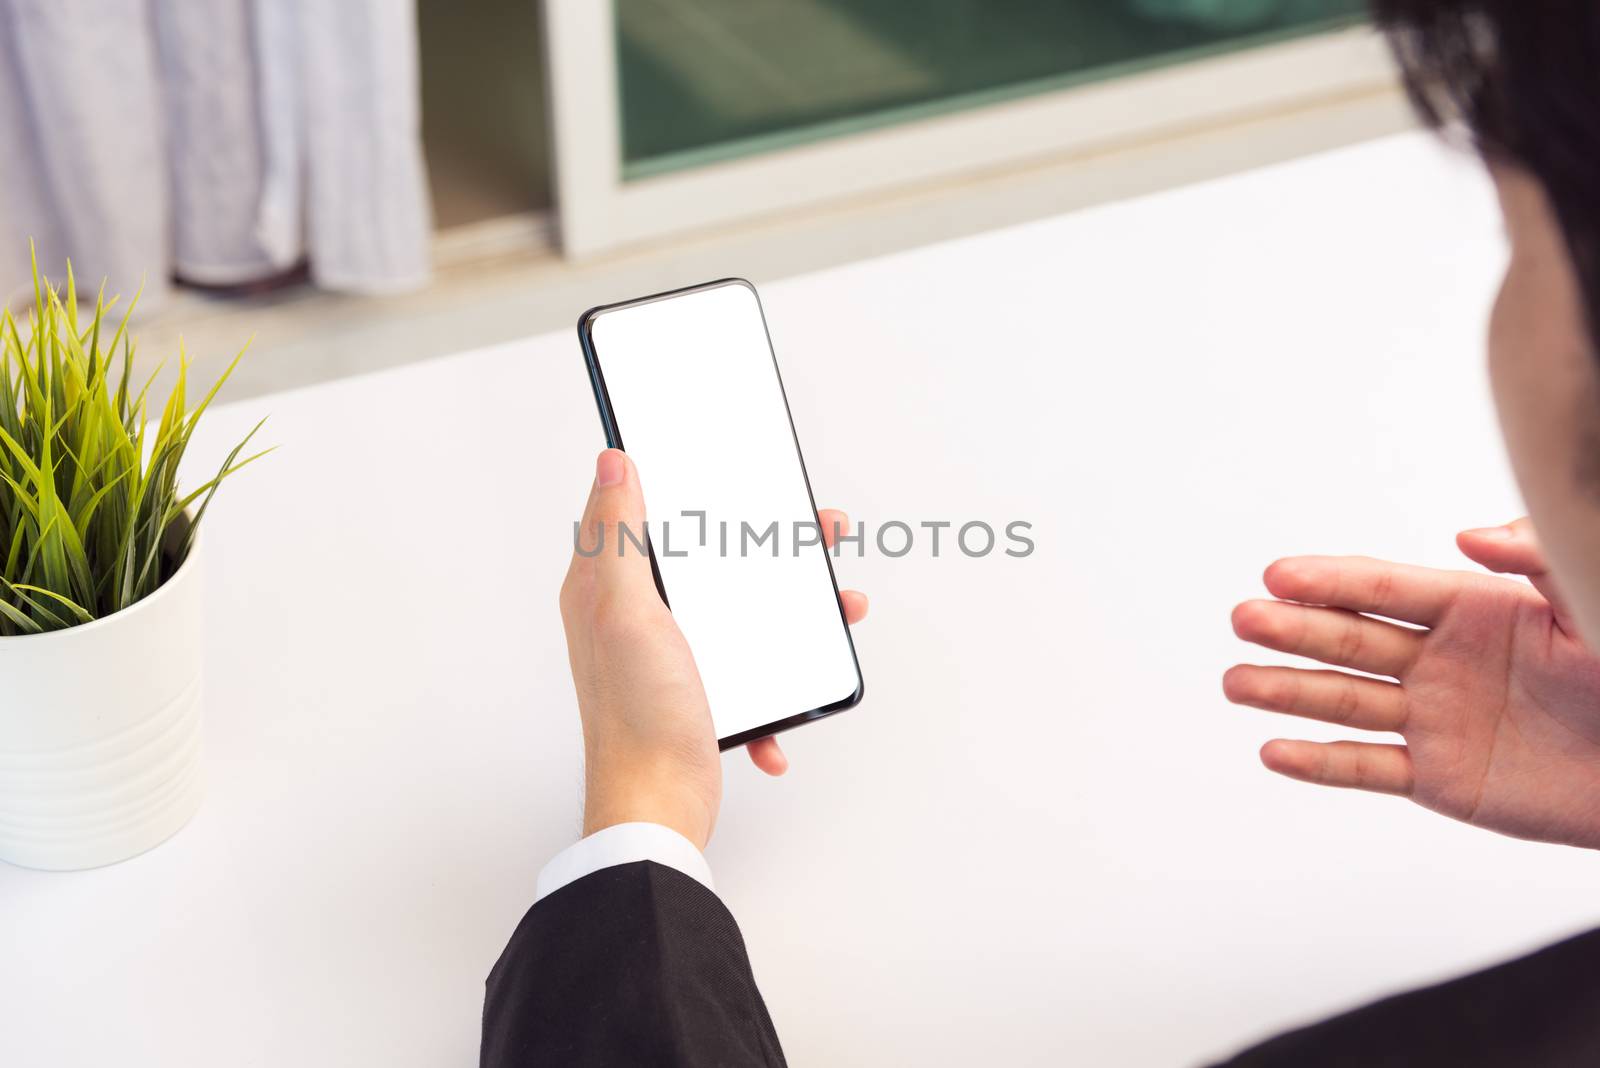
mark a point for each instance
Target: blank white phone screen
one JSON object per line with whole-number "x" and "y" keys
{"x": 698, "y": 405}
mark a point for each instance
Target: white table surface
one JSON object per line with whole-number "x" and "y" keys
{"x": 1044, "y": 837}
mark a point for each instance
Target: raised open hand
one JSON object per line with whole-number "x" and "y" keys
{"x": 1496, "y": 698}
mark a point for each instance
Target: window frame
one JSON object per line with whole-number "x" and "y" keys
{"x": 598, "y": 211}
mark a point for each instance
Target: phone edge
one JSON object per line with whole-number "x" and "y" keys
{"x": 613, "y": 435}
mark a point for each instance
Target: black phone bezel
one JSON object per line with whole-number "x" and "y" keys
{"x": 608, "y": 423}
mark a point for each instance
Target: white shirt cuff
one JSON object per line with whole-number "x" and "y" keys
{"x": 623, "y": 843}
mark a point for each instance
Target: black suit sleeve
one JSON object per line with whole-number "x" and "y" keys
{"x": 635, "y": 965}
{"x": 1541, "y": 1011}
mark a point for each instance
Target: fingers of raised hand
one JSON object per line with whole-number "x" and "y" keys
{"x": 1329, "y": 696}
{"x": 1361, "y": 584}
{"x": 1512, "y": 549}
{"x": 1334, "y": 636}
{"x": 1330, "y": 619}
{"x": 1384, "y": 769}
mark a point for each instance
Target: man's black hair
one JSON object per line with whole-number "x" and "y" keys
{"x": 1523, "y": 77}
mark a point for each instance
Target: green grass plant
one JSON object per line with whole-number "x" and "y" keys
{"x": 91, "y": 514}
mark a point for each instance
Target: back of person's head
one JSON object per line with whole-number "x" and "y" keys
{"x": 1523, "y": 78}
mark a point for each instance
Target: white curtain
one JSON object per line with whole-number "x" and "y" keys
{"x": 221, "y": 141}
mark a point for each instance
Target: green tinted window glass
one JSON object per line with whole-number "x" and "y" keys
{"x": 711, "y": 79}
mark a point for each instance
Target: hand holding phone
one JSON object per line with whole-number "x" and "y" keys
{"x": 752, "y": 644}
{"x": 687, "y": 383}
{"x": 650, "y": 748}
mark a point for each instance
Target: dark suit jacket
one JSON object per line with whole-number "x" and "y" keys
{"x": 632, "y": 966}
{"x": 639, "y": 965}
{"x": 1542, "y": 1011}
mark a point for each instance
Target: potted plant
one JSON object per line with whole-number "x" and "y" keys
{"x": 101, "y": 614}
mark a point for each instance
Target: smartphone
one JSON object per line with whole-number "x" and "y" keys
{"x": 687, "y": 384}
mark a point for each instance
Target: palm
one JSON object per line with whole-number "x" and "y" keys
{"x": 1496, "y": 698}
{"x": 1503, "y": 718}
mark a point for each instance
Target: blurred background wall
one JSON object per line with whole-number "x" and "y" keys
{"x": 222, "y": 143}
{"x": 373, "y": 181}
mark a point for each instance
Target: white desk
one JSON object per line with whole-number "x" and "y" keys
{"x": 1044, "y": 837}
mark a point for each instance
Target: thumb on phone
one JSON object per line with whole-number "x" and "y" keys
{"x": 613, "y": 531}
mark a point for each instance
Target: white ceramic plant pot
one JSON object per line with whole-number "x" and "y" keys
{"x": 100, "y": 731}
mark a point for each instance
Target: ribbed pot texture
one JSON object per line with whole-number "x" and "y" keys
{"x": 100, "y": 731}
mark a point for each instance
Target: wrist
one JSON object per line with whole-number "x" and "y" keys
{"x": 645, "y": 795}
